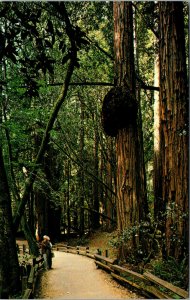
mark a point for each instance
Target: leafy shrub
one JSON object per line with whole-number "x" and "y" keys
{"x": 146, "y": 247}
{"x": 172, "y": 271}
{"x": 83, "y": 241}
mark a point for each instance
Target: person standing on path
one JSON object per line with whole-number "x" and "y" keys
{"x": 46, "y": 252}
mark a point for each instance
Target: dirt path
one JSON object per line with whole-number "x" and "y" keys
{"x": 76, "y": 277}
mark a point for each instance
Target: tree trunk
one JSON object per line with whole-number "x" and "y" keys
{"x": 128, "y": 172}
{"x": 96, "y": 206}
{"x": 173, "y": 129}
{"x": 42, "y": 212}
{"x": 34, "y": 250}
{"x": 9, "y": 266}
{"x": 12, "y": 181}
{"x": 143, "y": 206}
{"x": 68, "y": 174}
{"x": 110, "y": 202}
{"x": 81, "y": 171}
{"x": 45, "y": 140}
{"x": 52, "y": 169}
{"x": 158, "y": 203}
{"x": 131, "y": 193}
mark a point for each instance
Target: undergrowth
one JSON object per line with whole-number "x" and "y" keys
{"x": 172, "y": 271}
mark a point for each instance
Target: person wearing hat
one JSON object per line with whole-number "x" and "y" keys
{"x": 46, "y": 252}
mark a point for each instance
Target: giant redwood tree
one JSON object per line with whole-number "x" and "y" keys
{"x": 120, "y": 119}
{"x": 173, "y": 128}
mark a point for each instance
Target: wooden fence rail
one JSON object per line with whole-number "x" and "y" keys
{"x": 174, "y": 289}
{"x": 147, "y": 283}
{"x": 29, "y": 272}
{"x": 76, "y": 250}
{"x": 22, "y": 249}
{"x": 30, "y": 281}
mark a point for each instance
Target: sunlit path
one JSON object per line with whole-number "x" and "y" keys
{"x": 76, "y": 277}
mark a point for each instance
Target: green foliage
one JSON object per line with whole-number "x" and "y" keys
{"x": 151, "y": 241}
{"x": 25, "y": 259}
{"x": 172, "y": 271}
{"x": 35, "y": 50}
{"x": 79, "y": 241}
{"x": 147, "y": 245}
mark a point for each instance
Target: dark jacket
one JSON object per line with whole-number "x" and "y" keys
{"x": 46, "y": 247}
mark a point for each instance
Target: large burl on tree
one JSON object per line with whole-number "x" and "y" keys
{"x": 119, "y": 110}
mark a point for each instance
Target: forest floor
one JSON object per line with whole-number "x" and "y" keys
{"x": 97, "y": 240}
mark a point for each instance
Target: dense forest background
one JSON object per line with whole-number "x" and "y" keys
{"x": 94, "y": 127}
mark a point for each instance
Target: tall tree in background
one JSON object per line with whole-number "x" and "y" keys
{"x": 157, "y": 161}
{"x": 96, "y": 205}
{"x": 173, "y": 127}
{"x": 157, "y": 175}
{"x": 81, "y": 168}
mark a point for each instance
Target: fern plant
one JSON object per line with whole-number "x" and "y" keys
{"x": 173, "y": 271}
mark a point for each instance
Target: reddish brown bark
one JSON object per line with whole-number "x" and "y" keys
{"x": 110, "y": 201}
{"x": 173, "y": 129}
{"x": 131, "y": 195}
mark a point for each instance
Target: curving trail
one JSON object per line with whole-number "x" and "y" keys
{"x": 76, "y": 277}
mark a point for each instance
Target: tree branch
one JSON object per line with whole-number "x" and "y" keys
{"x": 148, "y": 25}
{"x": 100, "y": 48}
{"x": 144, "y": 86}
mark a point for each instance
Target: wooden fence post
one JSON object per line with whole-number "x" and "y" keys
{"x": 99, "y": 252}
{"x": 106, "y": 253}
